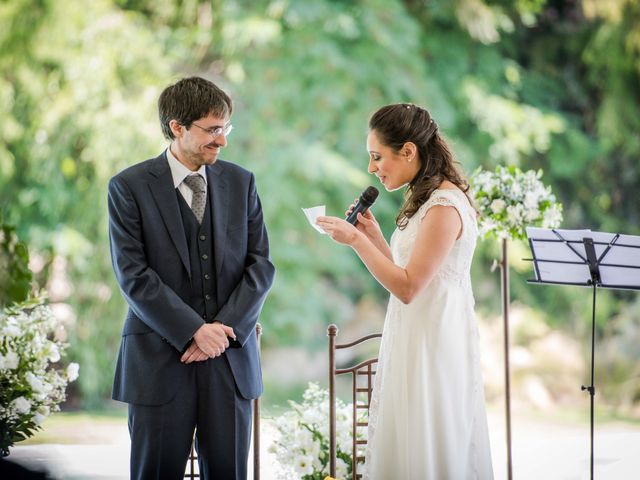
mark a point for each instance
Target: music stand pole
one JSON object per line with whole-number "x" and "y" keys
{"x": 591, "y": 388}
{"x": 592, "y": 260}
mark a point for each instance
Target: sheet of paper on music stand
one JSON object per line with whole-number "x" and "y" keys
{"x": 616, "y": 266}
{"x": 562, "y": 272}
{"x": 621, "y": 277}
{"x": 626, "y": 250}
{"x": 557, "y": 250}
{"x": 601, "y": 241}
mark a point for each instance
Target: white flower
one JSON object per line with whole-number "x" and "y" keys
{"x": 38, "y": 418}
{"x": 36, "y": 384}
{"x": 41, "y": 413}
{"x": 26, "y": 371}
{"x": 11, "y": 330}
{"x": 514, "y": 214}
{"x": 53, "y": 352}
{"x": 10, "y": 361}
{"x": 552, "y": 216}
{"x": 304, "y": 465}
{"x": 342, "y": 469}
{"x": 303, "y": 439}
{"x": 531, "y": 200}
{"x": 498, "y": 205}
{"x": 531, "y": 214}
{"x": 522, "y": 195}
{"x": 44, "y": 410}
{"x": 21, "y": 405}
{"x": 72, "y": 371}
{"x": 302, "y": 442}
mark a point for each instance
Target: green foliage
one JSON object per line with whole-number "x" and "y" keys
{"x": 15, "y": 276}
{"x": 532, "y": 83}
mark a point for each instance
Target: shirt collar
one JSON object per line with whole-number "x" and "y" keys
{"x": 179, "y": 172}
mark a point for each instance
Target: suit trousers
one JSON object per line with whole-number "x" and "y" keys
{"x": 211, "y": 404}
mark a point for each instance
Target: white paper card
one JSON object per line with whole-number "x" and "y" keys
{"x": 312, "y": 214}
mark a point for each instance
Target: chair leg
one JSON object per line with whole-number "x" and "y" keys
{"x": 256, "y": 439}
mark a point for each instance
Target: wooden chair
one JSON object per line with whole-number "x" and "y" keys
{"x": 361, "y": 397}
{"x": 191, "y": 470}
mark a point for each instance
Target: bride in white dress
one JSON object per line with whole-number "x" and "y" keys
{"x": 427, "y": 418}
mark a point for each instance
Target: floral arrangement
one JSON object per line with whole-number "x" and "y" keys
{"x": 30, "y": 387}
{"x": 509, "y": 200}
{"x": 302, "y": 441}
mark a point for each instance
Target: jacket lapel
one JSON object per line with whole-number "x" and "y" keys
{"x": 219, "y": 202}
{"x": 164, "y": 194}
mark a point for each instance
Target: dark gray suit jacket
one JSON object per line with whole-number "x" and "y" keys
{"x": 151, "y": 262}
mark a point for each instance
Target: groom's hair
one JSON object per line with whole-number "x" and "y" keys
{"x": 190, "y": 99}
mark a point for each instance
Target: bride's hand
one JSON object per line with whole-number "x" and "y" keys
{"x": 367, "y": 222}
{"x": 338, "y": 229}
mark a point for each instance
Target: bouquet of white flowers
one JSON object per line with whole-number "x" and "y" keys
{"x": 30, "y": 387}
{"x": 302, "y": 443}
{"x": 510, "y": 200}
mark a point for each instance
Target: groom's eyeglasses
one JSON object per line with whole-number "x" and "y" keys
{"x": 215, "y": 132}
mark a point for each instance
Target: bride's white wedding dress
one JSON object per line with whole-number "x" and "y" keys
{"x": 427, "y": 419}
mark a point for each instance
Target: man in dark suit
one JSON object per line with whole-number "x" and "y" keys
{"x": 191, "y": 254}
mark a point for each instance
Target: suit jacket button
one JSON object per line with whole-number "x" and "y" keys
{"x": 207, "y": 296}
{"x": 203, "y": 237}
{"x": 207, "y": 276}
{"x": 205, "y": 256}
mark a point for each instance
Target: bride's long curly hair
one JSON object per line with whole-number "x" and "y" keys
{"x": 400, "y": 123}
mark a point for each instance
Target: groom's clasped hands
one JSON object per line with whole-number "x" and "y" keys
{"x": 209, "y": 341}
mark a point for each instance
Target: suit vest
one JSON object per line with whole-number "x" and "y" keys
{"x": 203, "y": 297}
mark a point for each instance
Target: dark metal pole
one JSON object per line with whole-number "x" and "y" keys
{"x": 591, "y": 388}
{"x": 504, "y": 264}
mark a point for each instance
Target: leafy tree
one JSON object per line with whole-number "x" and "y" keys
{"x": 549, "y": 84}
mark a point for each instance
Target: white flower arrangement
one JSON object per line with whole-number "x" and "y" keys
{"x": 302, "y": 441}
{"x": 509, "y": 200}
{"x": 30, "y": 387}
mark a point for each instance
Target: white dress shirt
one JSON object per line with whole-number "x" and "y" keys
{"x": 179, "y": 172}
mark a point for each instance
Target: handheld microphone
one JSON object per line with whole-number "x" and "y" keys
{"x": 364, "y": 202}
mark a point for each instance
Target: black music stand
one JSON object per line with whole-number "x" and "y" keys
{"x": 586, "y": 259}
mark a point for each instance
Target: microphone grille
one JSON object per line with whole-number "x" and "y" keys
{"x": 370, "y": 194}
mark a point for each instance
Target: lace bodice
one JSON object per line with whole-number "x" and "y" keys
{"x": 457, "y": 265}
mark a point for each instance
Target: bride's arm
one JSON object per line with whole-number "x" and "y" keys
{"x": 368, "y": 224}
{"x": 436, "y": 236}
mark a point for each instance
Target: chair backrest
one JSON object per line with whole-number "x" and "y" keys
{"x": 361, "y": 397}
{"x": 191, "y": 470}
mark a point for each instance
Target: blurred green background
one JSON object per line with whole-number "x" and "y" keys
{"x": 551, "y": 84}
